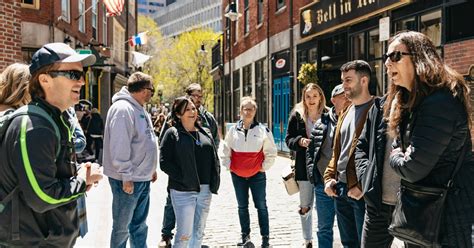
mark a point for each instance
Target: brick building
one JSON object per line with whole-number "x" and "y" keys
{"x": 27, "y": 25}
{"x": 272, "y": 39}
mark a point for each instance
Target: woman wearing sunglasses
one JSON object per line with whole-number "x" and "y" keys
{"x": 428, "y": 110}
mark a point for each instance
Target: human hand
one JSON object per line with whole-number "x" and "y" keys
{"x": 127, "y": 187}
{"x": 355, "y": 193}
{"x": 90, "y": 172}
{"x": 154, "y": 177}
{"x": 330, "y": 188}
{"x": 304, "y": 142}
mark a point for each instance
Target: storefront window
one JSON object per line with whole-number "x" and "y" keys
{"x": 375, "y": 46}
{"x": 312, "y": 58}
{"x": 247, "y": 80}
{"x": 405, "y": 24}
{"x": 358, "y": 46}
{"x": 227, "y": 100}
{"x": 236, "y": 94}
{"x": 431, "y": 26}
{"x": 261, "y": 89}
{"x": 376, "y": 83}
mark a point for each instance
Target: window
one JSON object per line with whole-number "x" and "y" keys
{"x": 261, "y": 90}
{"x": 82, "y": 19}
{"x": 119, "y": 46}
{"x": 375, "y": 46}
{"x": 430, "y": 25}
{"x": 260, "y": 12}
{"x": 280, "y": 4}
{"x": 65, "y": 10}
{"x": 227, "y": 99}
{"x": 405, "y": 24}
{"x": 32, "y": 4}
{"x": 246, "y": 17}
{"x": 236, "y": 94}
{"x": 457, "y": 19}
{"x": 247, "y": 80}
{"x": 94, "y": 19}
{"x": 358, "y": 46}
{"x": 104, "y": 25}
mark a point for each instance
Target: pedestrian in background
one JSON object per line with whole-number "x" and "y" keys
{"x": 249, "y": 151}
{"x": 302, "y": 119}
{"x": 318, "y": 155}
{"x": 14, "y": 87}
{"x": 95, "y": 130}
{"x": 207, "y": 120}
{"x": 340, "y": 178}
{"x": 130, "y": 160}
{"x": 189, "y": 157}
{"x": 38, "y": 168}
{"x": 428, "y": 112}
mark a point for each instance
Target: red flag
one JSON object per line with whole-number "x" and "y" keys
{"x": 114, "y": 7}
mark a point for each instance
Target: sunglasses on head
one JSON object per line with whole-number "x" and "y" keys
{"x": 394, "y": 56}
{"x": 71, "y": 74}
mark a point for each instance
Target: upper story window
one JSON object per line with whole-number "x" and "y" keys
{"x": 246, "y": 16}
{"x": 94, "y": 19}
{"x": 81, "y": 22}
{"x": 280, "y": 4}
{"x": 32, "y": 4}
{"x": 260, "y": 11}
{"x": 104, "y": 25}
{"x": 66, "y": 10}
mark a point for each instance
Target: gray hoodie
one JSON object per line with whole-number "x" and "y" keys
{"x": 130, "y": 145}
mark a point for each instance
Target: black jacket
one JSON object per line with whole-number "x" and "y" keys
{"x": 295, "y": 131}
{"x": 439, "y": 131}
{"x": 177, "y": 159}
{"x": 318, "y": 136}
{"x": 96, "y": 125}
{"x": 370, "y": 154}
{"x": 48, "y": 187}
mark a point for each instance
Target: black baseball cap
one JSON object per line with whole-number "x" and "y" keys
{"x": 58, "y": 53}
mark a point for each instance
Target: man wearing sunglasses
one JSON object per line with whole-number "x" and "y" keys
{"x": 130, "y": 160}
{"x": 38, "y": 167}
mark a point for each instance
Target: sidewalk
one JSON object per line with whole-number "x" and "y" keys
{"x": 222, "y": 228}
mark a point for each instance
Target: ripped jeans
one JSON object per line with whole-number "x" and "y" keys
{"x": 191, "y": 210}
{"x": 306, "y": 201}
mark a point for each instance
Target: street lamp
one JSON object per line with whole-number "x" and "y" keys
{"x": 232, "y": 15}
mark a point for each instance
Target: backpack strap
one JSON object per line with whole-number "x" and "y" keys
{"x": 15, "y": 222}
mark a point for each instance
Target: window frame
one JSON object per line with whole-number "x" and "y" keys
{"x": 280, "y": 4}
{"x": 259, "y": 12}
{"x": 34, "y": 5}
{"x": 246, "y": 17}
{"x": 82, "y": 18}
{"x": 67, "y": 17}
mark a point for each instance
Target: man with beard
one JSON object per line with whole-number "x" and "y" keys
{"x": 340, "y": 177}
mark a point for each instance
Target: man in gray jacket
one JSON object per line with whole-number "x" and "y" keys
{"x": 130, "y": 160}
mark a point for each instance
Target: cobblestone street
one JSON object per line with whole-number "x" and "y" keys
{"x": 222, "y": 225}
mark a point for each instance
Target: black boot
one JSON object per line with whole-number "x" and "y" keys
{"x": 245, "y": 240}
{"x": 265, "y": 241}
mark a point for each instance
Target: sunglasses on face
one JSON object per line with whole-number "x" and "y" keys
{"x": 394, "y": 56}
{"x": 152, "y": 90}
{"x": 71, "y": 74}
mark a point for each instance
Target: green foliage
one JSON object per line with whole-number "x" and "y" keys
{"x": 176, "y": 62}
{"x": 308, "y": 73}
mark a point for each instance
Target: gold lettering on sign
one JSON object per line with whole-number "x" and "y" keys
{"x": 363, "y": 3}
{"x": 326, "y": 15}
{"x": 346, "y": 6}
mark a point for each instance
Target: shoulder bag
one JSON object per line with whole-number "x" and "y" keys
{"x": 288, "y": 176}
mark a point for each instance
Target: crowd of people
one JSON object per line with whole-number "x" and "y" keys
{"x": 351, "y": 160}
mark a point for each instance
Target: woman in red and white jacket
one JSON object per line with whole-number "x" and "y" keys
{"x": 249, "y": 150}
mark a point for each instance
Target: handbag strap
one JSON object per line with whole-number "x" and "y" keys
{"x": 459, "y": 163}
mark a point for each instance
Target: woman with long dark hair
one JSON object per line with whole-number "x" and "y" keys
{"x": 428, "y": 112}
{"x": 189, "y": 157}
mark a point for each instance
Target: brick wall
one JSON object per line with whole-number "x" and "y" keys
{"x": 10, "y": 33}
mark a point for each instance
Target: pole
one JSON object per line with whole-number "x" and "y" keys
{"x": 230, "y": 72}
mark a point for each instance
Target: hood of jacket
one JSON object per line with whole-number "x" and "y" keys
{"x": 124, "y": 94}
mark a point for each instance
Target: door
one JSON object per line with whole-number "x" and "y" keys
{"x": 281, "y": 109}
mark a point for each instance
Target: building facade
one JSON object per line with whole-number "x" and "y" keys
{"x": 272, "y": 39}
{"x": 150, "y": 7}
{"x": 184, "y": 15}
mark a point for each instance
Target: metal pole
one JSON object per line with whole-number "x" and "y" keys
{"x": 230, "y": 73}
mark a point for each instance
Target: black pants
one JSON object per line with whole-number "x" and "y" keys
{"x": 375, "y": 231}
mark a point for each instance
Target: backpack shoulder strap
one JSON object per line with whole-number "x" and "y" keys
{"x": 15, "y": 221}
{"x": 35, "y": 110}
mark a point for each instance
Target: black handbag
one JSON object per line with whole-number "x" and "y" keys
{"x": 417, "y": 215}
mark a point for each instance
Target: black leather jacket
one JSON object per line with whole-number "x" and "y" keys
{"x": 48, "y": 187}
{"x": 318, "y": 135}
{"x": 370, "y": 154}
{"x": 177, "y": 159}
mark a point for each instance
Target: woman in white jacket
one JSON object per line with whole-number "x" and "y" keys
{"x": 249, "y": 150}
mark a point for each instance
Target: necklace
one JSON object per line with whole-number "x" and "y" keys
{"x": 197, "y": 141}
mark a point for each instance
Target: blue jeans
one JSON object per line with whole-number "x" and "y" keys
{"x": 169, "y": 219}
{"x": 257, "y": 184}
{"x": 325, "y": 208}
{"x": 350, "y": 217}
{"x": 191, "y": 209}
{"x": 306, "y": 201}
{"x": 129, "y": 213}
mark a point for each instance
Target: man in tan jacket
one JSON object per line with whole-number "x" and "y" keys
{"x": 340, "y": 177}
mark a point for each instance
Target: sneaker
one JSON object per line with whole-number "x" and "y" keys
{"x": 245, "y": 240}
{"x": 265, "y": 241}
{"x": 165, "y": 242}
{"x": 308, "y": 244}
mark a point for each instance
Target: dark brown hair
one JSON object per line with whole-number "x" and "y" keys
{"x": 34, "y": 87}
{"x": 138, "y": 81}
{"x": 430, "y": 74}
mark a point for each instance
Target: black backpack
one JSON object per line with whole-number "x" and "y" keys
{"x": 5, "y": 121}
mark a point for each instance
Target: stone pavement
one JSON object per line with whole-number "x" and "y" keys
{"x": 222, "y": 228}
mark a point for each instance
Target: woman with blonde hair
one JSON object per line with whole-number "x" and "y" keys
{"x": 301, "y": 122}
{"x": 14, "y": 87}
